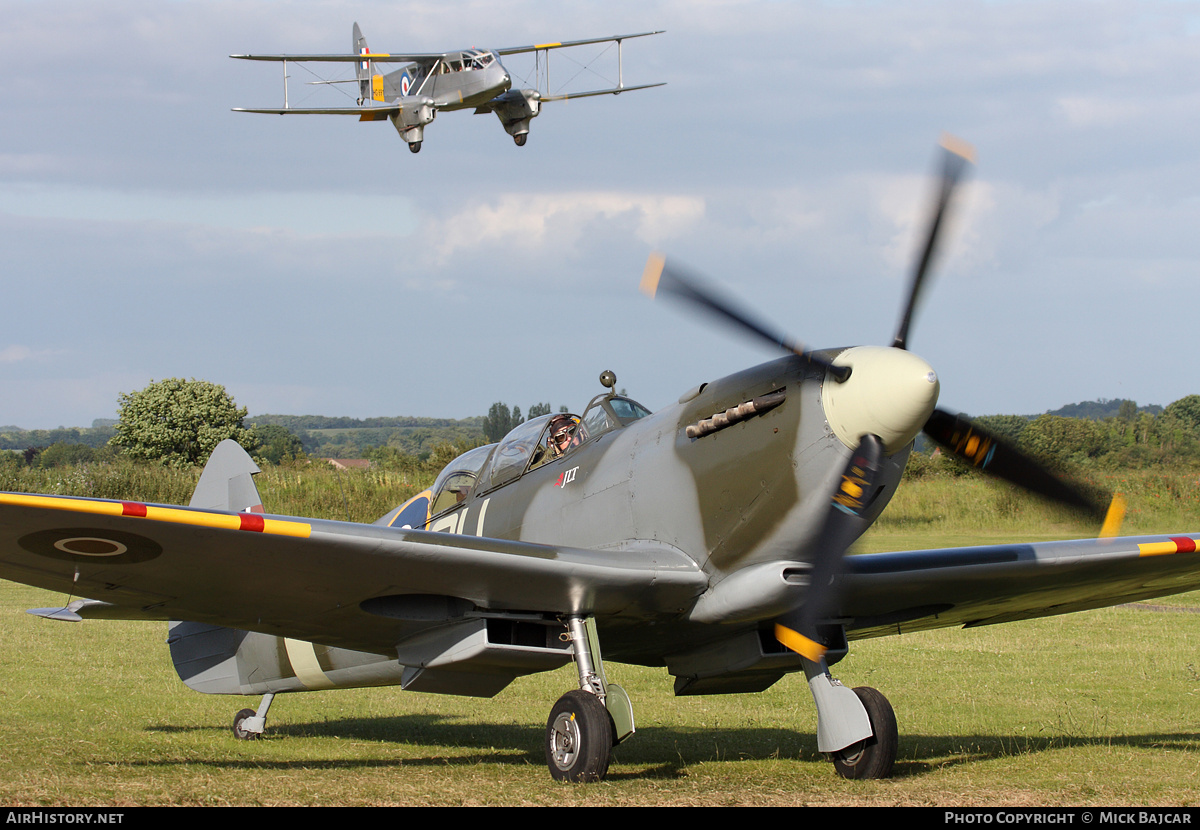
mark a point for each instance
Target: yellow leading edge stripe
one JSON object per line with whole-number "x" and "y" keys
{"x": 174, "y": 515}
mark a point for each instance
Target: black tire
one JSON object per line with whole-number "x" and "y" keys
{"x": 579, "y": 738}
{"x": 520, "y": 139}
{"x": 415, "y": 147}
{"x": 874, "y": 757}
{"x": 240, "y": 733}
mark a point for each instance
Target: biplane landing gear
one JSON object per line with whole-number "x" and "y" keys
{"x": 587, "y": 722}
{"x": 873, "y": 757}
{"x": 414, "y": 147}
{"x": 519, "y": 138}
{"x": 248, "y": 725}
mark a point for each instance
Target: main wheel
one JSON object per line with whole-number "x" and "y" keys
{"x": 579, "y": 738}
{"x": 872, "y": 758}
{"x": 520, "y": 139}
{"x": 240, "y": 733}
{"x": 415, "y": 147}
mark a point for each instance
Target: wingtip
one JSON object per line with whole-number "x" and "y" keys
{"x": 958, "y": 146}
{"x": 652, "y": 274}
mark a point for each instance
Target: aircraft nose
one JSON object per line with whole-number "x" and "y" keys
{"x": 890, "y": 393}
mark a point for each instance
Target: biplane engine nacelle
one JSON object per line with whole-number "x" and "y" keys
{"x": 515, "y": 108}
{"x": 415, "y": 112}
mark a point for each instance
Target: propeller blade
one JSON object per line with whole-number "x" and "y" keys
{"x": 957, "y": 154}
{"x": 799, "y": 629}
{"x": 674, "y": 281}
{"x": 997, "y": 457}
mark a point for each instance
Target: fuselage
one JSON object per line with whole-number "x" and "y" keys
{"x": 464, "y": 79}
{"x": 740, "y": 494}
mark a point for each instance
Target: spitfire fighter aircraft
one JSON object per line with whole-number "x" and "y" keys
{"x": 708, "y": 538}
{"x": 412, "y": 96}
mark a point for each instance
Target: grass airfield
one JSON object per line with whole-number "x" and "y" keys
{"x": 1100, "y": 708}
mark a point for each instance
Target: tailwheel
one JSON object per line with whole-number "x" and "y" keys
{"x": 415, "y": 147}
{"x": 872, "y": 758}
{"x": 519, "y": 138}
{"x": 579, "y": 738}
{"x": 239, "y": 731}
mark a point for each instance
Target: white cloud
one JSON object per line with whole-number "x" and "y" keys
{"x": 551, "y": 224}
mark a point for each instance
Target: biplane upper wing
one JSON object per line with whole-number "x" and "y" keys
{"x": 891, "y": 593}
{"x": 338, "y": 583}
{"x": 541, "y": 47}
{"x": 377, "y": 57}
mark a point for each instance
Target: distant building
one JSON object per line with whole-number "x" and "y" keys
{"x": 349, "y": 463}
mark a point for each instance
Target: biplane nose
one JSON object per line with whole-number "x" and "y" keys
{"x": 890, "y": 393}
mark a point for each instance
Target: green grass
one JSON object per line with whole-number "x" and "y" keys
{"x": 1101, "y": 708}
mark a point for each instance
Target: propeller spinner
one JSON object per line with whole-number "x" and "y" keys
{"x": 880, "y": 399}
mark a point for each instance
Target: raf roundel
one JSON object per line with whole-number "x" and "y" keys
{"x": 91, "y": 544}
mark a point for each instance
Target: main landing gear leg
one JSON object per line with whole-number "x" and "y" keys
{"x": 248, "y": 725}
{"x": 585, "y": 723}
{"x": 856, "y": 728}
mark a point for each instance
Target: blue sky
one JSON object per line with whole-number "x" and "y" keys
{"x": 313, "y": 265}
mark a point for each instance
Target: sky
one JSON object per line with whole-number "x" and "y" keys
{"x": 312, "y": 265}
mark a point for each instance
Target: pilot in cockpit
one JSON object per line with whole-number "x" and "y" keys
{"x": 561, "y": 436}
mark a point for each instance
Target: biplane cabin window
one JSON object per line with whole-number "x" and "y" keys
{"x": 457, "y": 479}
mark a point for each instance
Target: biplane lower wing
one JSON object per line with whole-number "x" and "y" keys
{"x": 364, "y": 113}
{"x": 617, "y": 90}
{"x": 337, "y": 583}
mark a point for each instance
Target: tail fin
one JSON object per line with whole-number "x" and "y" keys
{"x": 227, "y": 483}
{"x": 363, "y": 70}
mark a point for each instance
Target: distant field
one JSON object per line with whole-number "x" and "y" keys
{"x": 1101, "y": 708}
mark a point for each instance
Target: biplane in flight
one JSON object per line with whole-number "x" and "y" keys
{"x": 709, "y": 538}
{"x": 428, "y": 83}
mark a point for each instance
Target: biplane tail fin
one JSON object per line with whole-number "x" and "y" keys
{"x": 363, "y": 70}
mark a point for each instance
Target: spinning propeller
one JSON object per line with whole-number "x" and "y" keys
{"x": 798, "y": 629}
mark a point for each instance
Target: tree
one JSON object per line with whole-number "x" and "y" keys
{"x": 179, "y": 422}
{"x": 1187, "y": 410}
{"x": 277, "y": 444}
{"x": 499, "y": 421}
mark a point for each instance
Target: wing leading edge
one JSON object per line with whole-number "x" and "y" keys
{"x": 337, "y": 583}
{"x": 892, "y": 593}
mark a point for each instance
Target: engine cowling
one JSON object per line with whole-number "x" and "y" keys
{"x": 515, "y": 108}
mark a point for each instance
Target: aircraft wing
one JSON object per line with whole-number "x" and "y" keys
{"x": 538, "y": 47}
{"x": 377, "y": 57}
{"x": 375, "y": 113}
{"x": 892, "y": 593}
{"x": 336, "y": 583}
{"x": 614, "y": 91}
